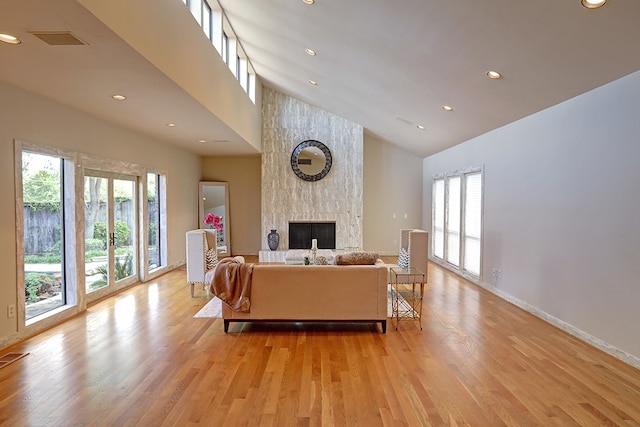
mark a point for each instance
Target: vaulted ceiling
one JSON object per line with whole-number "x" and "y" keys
{"x": 388, "y": 65}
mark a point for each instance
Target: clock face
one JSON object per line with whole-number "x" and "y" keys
{"x": 311, "y": 160}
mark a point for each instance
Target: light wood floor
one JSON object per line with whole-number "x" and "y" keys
{"x": 140, "y": 358}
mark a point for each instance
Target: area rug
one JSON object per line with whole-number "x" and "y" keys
{"x": 213, "y": 309}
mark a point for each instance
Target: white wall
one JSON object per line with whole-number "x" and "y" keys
{"x": 562, "y": 212}
{"x": 31, "y": 118}
{"x": 392, "y": 194}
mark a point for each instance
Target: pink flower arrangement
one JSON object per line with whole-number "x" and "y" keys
{"x": 213, "y": 221}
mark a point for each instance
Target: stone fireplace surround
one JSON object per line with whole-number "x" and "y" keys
{"x": 286, "y": 198}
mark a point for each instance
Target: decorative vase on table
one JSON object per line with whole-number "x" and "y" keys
{"x": 273, "y": 239}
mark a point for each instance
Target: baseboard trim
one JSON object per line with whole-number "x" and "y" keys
{"x": 567, "y": 327}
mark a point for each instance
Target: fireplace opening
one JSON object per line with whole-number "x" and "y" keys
{"x": 301, "y": 234}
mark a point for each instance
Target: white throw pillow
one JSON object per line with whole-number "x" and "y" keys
{"x": 403, "y": 258}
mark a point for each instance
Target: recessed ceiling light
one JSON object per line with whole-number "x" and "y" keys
{"x": 171, "y": 125}
{"x": 119, "y": 97}
{"x": 8, "y": 38}
{"x": 309, "y": 1}
{"x": 201, "y": 141}
{"x": 313, "y": 82}
{"x": 420, "y": 127}
{"x": 494, "y": 75}
{"x": 447, "y": 108}
{"x": 310, "y": 52}
{"x": 593, "y": 4}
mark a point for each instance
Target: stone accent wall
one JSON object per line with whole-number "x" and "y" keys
{"x": 285, "y": 197}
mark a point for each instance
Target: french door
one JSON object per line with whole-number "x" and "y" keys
{"x": 111, "y": 235}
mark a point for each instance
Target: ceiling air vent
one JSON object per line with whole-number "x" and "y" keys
{"x": 58, "y": 38}
{"x": 403, "y": 120}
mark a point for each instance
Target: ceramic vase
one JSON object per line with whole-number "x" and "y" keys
{"x": 273, "y": 239}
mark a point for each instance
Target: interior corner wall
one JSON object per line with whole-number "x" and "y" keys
{"x": 285, "y": 197}
{"x": 29, "y": 117}
{"x": 392, "y": 194}
{"x": 561, "y": 212}
{"x": 243, "y": 175}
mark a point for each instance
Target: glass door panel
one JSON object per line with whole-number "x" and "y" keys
{"x": 95, "y": 233}
{"x": 110, "y": 231}
{"x": 124, "y": 233}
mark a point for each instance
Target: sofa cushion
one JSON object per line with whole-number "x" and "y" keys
{"x": 357, "y": 258}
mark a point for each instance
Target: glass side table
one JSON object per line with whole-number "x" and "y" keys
{"x": 407, "y": 290}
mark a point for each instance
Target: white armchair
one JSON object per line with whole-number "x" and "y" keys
{"x": 198, "y": 243}
{"x": 416, "y": 243}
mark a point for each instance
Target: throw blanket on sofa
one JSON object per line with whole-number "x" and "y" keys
{"x": 232, "y": 284}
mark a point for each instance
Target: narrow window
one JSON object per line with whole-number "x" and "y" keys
{"x": 206, "y": 20}
{"x": 196, "y": 10}
{"x": 438, "y": 218}
{"x": 472, "y": 222}
{"x": 156, "y": 213}
{"x": 452, "y": 234}
{"x": 44, "y": 233}
{"x": 216, "y": 29}
{"x": 225, "y": 48}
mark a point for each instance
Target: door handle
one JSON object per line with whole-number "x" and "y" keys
{"x": 112, "y": 239}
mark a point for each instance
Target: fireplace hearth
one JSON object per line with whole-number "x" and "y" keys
{"x": 301, "y": 234}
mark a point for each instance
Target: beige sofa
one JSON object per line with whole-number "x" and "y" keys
{"x": 282, "y": 292}
{"x": 352, "y": 293}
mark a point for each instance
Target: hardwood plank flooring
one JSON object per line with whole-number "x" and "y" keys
{"x": 139, "y": 358}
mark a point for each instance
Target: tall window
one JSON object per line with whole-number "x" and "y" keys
{"x": 45, "y": 180}
{"x": 457, "y": 219}
{"x": 156, "y": 213}
{"x": 452, "y": 228}
{"x": 438, "y": 218}
{"x": 472, "y": 222}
